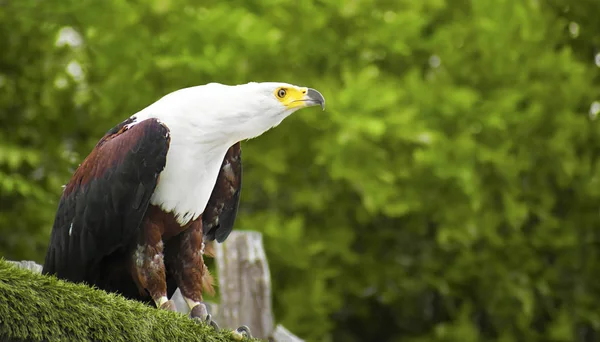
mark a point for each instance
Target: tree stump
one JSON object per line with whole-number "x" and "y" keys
{"x": 245, "y": 283}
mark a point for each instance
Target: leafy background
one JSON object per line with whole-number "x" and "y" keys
{"x": 449, "y": 192}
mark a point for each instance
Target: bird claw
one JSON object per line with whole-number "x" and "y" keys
{"x": 208, "y": 321}
{"x": 200, "y": 311}
{"x": 241, "y": 333}
{"x": 168, "y": 305}
{"x": 212, "y": 323}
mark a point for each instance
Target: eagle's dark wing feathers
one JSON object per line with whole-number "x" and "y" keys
{"x": 221, "y": 210}
{"x": 104, "y": 202}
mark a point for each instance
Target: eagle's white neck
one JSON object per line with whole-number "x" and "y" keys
{"x": 189, "y": 176}
{"x": 200, "y": 138}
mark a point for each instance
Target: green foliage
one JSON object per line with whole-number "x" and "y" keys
{"x": 449, "y": 192}
{"x": 41, "y": 308}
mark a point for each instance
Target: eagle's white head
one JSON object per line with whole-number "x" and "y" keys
{"x": 203, "y": 122}
{"x": 227, "y": 114}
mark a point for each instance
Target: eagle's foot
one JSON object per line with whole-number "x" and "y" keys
{"x": 241, "y": 333}
{"x": 200, "y": 314}
{"x": 168, "y": 305}
{"x": 199, "y": 311}
{"x": 208, "y": 321}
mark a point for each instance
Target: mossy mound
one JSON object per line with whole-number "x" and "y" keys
{"x": 34, "y": 307}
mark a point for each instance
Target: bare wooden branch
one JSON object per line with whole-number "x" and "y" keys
{"x": 245, "y": 283}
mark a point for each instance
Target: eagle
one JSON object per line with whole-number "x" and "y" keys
{"x": 137, "y": 213}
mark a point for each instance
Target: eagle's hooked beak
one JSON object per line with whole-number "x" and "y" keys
{"x": 297, "y": 98}
{"x": 313, "y": 98}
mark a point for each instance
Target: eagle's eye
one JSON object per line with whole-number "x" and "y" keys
{"x": 281, "y": 93}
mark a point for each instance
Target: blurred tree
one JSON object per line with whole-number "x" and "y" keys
{"x": 36, "y": 116}
{"x": 449, "y": 192}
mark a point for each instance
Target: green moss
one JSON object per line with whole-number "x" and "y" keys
{"x": 34, "y": 307}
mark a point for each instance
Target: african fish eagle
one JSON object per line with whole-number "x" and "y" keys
{"x": 136, "y": 214}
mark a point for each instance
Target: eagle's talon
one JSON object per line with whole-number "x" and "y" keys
{"x": 243, "y": 332}
{"x": 199, "y": 311}
{"x": 201, "y": 315}
{"x": 212, "y": 323}
{"x": 169, "y": 306}
{"x": 208, "y": 321}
